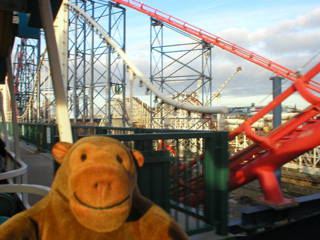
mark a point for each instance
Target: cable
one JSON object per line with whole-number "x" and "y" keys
{"x": 284, "y": 82}
{"x": 301, "y": 68}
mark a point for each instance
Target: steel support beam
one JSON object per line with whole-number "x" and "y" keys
{"x": 264, "y": 217}
{"x": 277, "y": 120}
{"x": 181, "y": 71}
{"x": 63, "y": 120}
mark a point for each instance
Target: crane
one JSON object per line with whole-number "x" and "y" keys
{"x": 222, "y": 86}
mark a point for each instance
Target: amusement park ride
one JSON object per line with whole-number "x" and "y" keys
{"x": 267, "y": 153}
{"x": 257, "y": 161}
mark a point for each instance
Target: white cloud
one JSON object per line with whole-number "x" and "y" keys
{"x": 288, "y": 37}
{"x": 310, "y": 20}
{"x": 289, "y": 42}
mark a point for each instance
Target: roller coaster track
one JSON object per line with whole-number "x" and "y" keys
{"x": 134, "y": 70}
{"x": 288, "y": 141}
{"x": 267, "y": 153}
{"x": 210, "y": 38}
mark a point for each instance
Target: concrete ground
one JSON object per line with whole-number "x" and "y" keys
{"x": 40, "y": 168}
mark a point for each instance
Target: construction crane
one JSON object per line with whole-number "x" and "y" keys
{"x": 222, "y": 87}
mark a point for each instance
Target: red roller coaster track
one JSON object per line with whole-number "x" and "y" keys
{"x": 210, "y": 38}
{"x": 267, "y": 153}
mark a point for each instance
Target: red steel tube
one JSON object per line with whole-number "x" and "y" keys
{"x": 210, "y": 38}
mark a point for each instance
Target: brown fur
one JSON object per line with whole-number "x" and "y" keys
{"x": 94, "y": 196}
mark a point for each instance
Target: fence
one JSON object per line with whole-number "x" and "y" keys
{"x": 185, "y": 172}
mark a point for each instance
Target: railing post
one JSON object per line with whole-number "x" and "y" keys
{"x": 222, "y": 182}
{"x": 216, "y": 175}
{"x": 209, "y": 203}
{"x": 42, "y": 137}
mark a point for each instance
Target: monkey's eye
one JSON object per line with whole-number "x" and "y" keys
{"x": 119, "y": 159}
{"x": 83, "y": 157}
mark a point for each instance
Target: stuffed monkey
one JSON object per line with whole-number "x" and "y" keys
{"x": 94, "y": 196}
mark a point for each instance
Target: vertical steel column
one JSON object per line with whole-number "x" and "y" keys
{"x": 158, "y": 39}
{"x": 162, "y": 76}
{"x": 276, "y": 89}
{"x": 109, "y": 80}
{"x": 206, "y": 74}
{"x": 84, "y": 56}
{"x": 38, "y": 83}
{"x": 92, "y": 71}
{"x": 277, "y": 121}
{"x": 75, "y": 73}
{"x": 123, "y": 86}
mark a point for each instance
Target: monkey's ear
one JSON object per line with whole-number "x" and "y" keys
{"x": 138, "y": 157}
{"x": 59, "y": 150}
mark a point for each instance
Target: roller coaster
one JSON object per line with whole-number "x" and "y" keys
{"x": 284, "y": 143}
{"x": 259, "y": 160}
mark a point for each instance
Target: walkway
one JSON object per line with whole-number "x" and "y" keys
{"x": 40, "y": 168}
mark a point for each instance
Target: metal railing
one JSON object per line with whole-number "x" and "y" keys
{"x": 13, "y": 177}
{"x": 185, "y": 172}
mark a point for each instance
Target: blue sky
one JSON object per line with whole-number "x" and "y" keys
{"x": 218, "y": 15}
{"x": 286, "y": 32}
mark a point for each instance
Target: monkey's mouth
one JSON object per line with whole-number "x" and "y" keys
{"x": 101, "y": 208}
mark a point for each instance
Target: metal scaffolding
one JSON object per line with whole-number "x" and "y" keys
{"x": 181, "y": 70}
{"x": 25, "y": 66}
{"x": 93, "y": 72}
{"x": 96, "y": 74}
